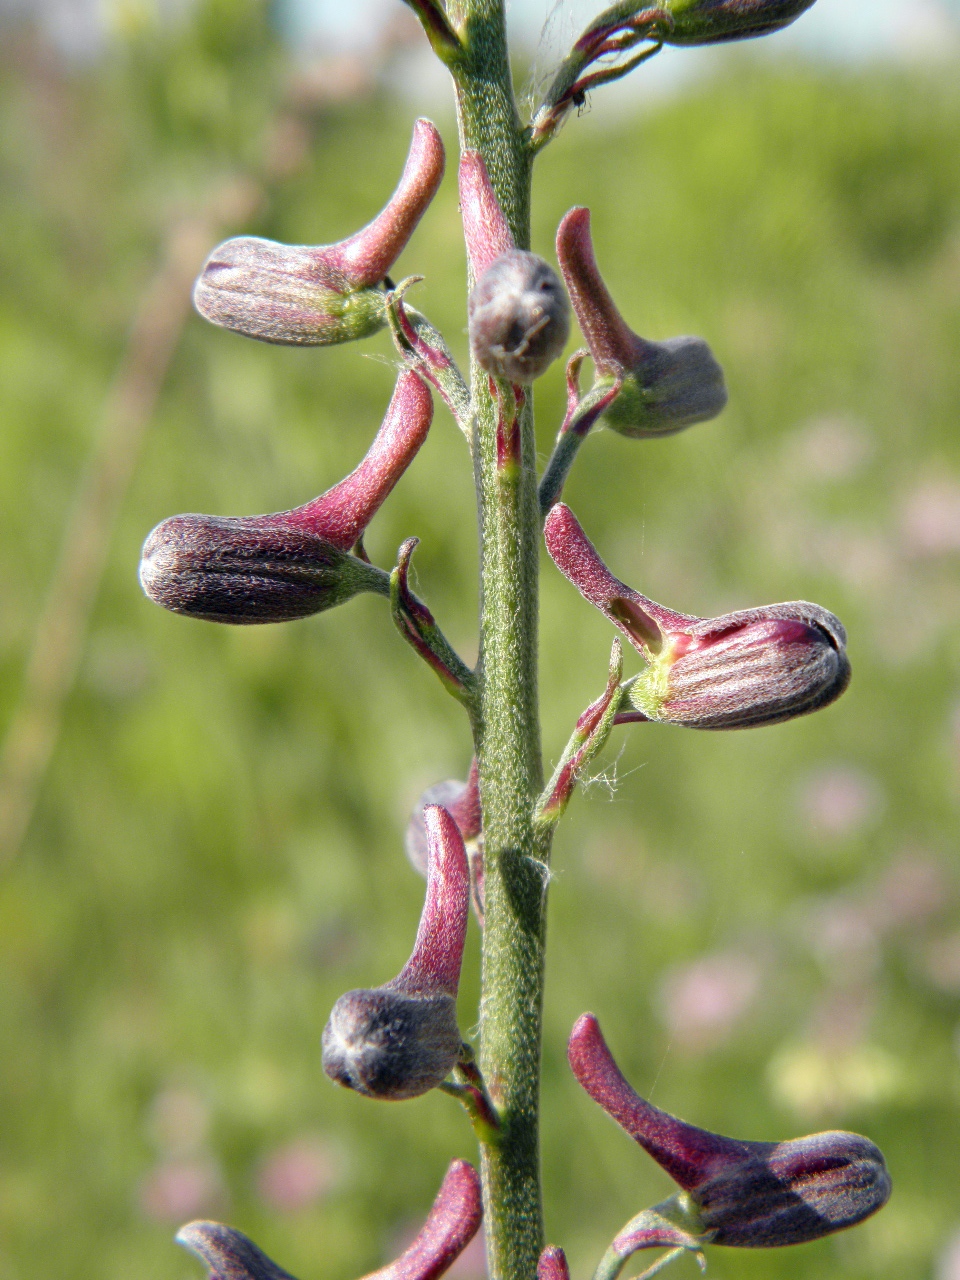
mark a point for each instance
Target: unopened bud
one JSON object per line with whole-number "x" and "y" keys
{"x": 286, "y": 294}
{"x": 758, "y": 666}
{"x": 305, "y": 295}
{"x": 452, "y": 1223}
{"x": 553, "y": 1264}
{"x": 710, "y": 21}
{"x": 400, "y": 1040}
{"x": 749, "y": 1194}
{"x": 388, "y": 1045}
{"x": 790, "y": 1192}
{"x": 485, "y": 228}
{"x": 519, "y": 317}
{"x": 665, "y": 386}
{"x": 753, "y": 667}
{"x": 249, "y": 570}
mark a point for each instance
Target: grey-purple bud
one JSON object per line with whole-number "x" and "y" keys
{"x": 795, "y": 1191}
{"x": 519, "y": 317}
{"x": 249, "y": 570}
{"x": 388, "y": 1044}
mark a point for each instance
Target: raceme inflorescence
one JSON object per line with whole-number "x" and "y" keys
{"x": 485, "y": 842}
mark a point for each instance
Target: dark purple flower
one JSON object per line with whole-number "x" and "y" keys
{"x": 294, "y": 563}
{"x": 402, "y": 1039}
{"x": 750, "y": 1194}
{"x": 450, "y": 1226}
{"x": 752, "y": 667}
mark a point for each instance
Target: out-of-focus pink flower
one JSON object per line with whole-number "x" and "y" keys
{"x": 830, "y": 448}
{"x": 842, "y": 934}
{"x": 942, "y": 963}
{"x": 178, "y": 1189}
{"x": 912, "y": 891}
{"x": 179, "y": 1121}
{"x": 298, "y": 1174}
{"x": 702, "y": 1003}
{"x": 930, "y": 518}
{"x": 840, "y": 801}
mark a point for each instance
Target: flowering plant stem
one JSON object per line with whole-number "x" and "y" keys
{"x": 508, "y": 729}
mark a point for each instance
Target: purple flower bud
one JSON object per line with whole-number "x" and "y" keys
{"x": 553, "y": 1264}
{"x": 306, "y": 295}
{"x": 518, "y": 310}
{"x": 750, "y": 1194}
{"x": 710, "y": 21}
{"x": 248, "y": 571}
{"x": 462, "y": 802}
{"x": 401, "y": 1039}
{"x": 294, "y": 563}
{"x": 666, "y": 386}
{"x": 752, "y": 667}
{"x": 452, "y": 1223}
{"x": 519, "y": 317}
{"x": 385, "y": 1044}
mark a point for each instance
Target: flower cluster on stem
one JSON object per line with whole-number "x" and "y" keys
{"x": 487, "y": 840}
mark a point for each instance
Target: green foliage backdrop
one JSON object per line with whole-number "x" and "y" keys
{"x": 766, "y": 923}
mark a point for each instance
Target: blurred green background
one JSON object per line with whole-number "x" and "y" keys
{"x": 766, "y": 923}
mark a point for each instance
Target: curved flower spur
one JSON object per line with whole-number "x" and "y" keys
{"x": 746, "y": 1194}
{"x": 752, "y": 667}
{"x": 451, "y": 1224}
{"x": 288, "y": 565}
{"x": 303, "y": 295}
{"x": 641, "y": 389}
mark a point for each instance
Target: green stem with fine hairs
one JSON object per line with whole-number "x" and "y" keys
{"x": 508, "y": 726}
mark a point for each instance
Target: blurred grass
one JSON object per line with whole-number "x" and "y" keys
{"x": 766, "y": 923}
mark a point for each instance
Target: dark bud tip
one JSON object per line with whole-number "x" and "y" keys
{"x": 553, "y": 1264}
{"x": 519, "y": 317}
{"x": 386, "y": 1044}
{"x": 795, "y": 1191}
{"x": 228, "y": 1254}
{"x": 245, "y": 570}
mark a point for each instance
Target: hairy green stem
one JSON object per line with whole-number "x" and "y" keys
{"x": 508, "y": 728}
